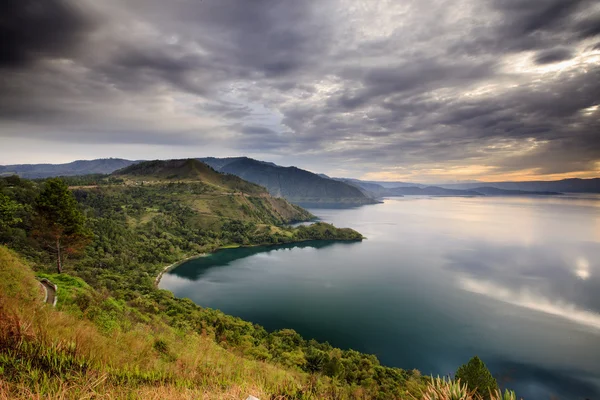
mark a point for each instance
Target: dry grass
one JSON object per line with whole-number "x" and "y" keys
{"x": 49, "y": 354}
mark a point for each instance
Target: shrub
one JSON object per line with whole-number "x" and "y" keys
{"x": 477, "y": 378}
{"x": 443, "y": 389}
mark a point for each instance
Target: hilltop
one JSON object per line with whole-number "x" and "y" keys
{"x": 213, "y": 196}
{"x": 294, "y": 184}
{"x": 169, "y": 169}
{"x": 187, "y": 170}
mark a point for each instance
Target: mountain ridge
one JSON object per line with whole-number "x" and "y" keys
{"x": 294, "y": 184}
{"x": 109, "y": 165}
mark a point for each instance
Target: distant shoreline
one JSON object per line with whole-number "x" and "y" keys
{"x": 237, "y": 246}
{"x": 175, "y": 265}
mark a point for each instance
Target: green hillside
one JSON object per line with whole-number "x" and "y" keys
{"x": 294, "y": 184}
{"x": 188, "y": 170}
{"x": 115, "y": 335}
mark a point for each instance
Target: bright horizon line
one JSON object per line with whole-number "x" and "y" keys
{"x": 372, "y": 176}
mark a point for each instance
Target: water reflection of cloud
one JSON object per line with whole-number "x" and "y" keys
{"x": 556, "y": 279}
{"x": 559, "y": 383}
{"x": 582, "y": 268}
{"x": 531, "y": 300}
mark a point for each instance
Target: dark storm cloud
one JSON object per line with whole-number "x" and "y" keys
{"x": 213, "y": 43}
{"x": 32, "y": 29}
{"x": 418, "y": 74}
{"x": 590, "y": 26}
{"x": 529, "y": 25}
{"x": 553, "y": 55}
{"x": 257, "y": 130}
{"x": 417, "y": 83}
{"x": 261, "y": 38}
{"x": 524, "y": 18}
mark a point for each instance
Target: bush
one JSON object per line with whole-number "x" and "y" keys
{"x": 445, "y": 389}
{"x": 477, "y": 378}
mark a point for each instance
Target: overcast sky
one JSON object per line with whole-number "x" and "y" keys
{"x": 421, "y": 90}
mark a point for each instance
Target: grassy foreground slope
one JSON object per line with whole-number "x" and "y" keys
{"x": 72, "y": 353}
{"x": 96, "y": 346}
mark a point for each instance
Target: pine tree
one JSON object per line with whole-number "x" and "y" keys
{"x": 60, "y": 224}
{"x": 8, "y": 212}
{"x": 477, "y": 377}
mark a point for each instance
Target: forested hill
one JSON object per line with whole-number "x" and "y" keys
{"x": 294, "y": 184}
{"x": 188, "y": 170}
{"x": 214, "y": 196}
{"x": 137, "y": 223}
{"x": 170, "y": 169}
{"x": 80, "y": 167}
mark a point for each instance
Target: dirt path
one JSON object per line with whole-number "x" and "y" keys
{"x": 50, "y": 290}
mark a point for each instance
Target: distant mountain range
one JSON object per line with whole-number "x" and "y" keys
{"x": 384, "y": 184}
{"x": 377, "y": 190}
{"x": 309, "y": 189}
{"x": 80, "y": 167}
{"x": 296, "y": 185}
{"x": 574, "y": 185}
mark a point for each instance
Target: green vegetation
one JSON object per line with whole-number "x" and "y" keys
{"x": 445, "y": 389}
{"x": 477, "y": 378}
{"x": 8, "y": 212}
{"x": 114, "y": 351}
{"x": 292, "y": 183}
{"x": 115, "y": 335}
{"x": 59, "y": 222}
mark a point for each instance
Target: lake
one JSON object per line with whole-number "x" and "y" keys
{"x": 515, "y": 280}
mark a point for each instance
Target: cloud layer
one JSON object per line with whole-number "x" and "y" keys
{"x": 420, "y": 90}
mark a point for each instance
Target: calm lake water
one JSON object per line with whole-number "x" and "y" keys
{"x": 513, "y": 280}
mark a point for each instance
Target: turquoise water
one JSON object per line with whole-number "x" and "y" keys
{"x": 513, "y": 280}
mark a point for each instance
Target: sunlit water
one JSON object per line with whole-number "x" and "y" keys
{"x": 513, "y": 280}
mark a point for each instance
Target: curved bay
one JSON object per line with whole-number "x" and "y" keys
{"x": 513, "y": 280}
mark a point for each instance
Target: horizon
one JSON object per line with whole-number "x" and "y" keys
{"x": 421, "y": 91}
{"x": 315, "y": 172}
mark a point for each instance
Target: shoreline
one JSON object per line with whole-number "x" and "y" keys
{"x": 175, "y": 265}
{"x": 226, "y": 247}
